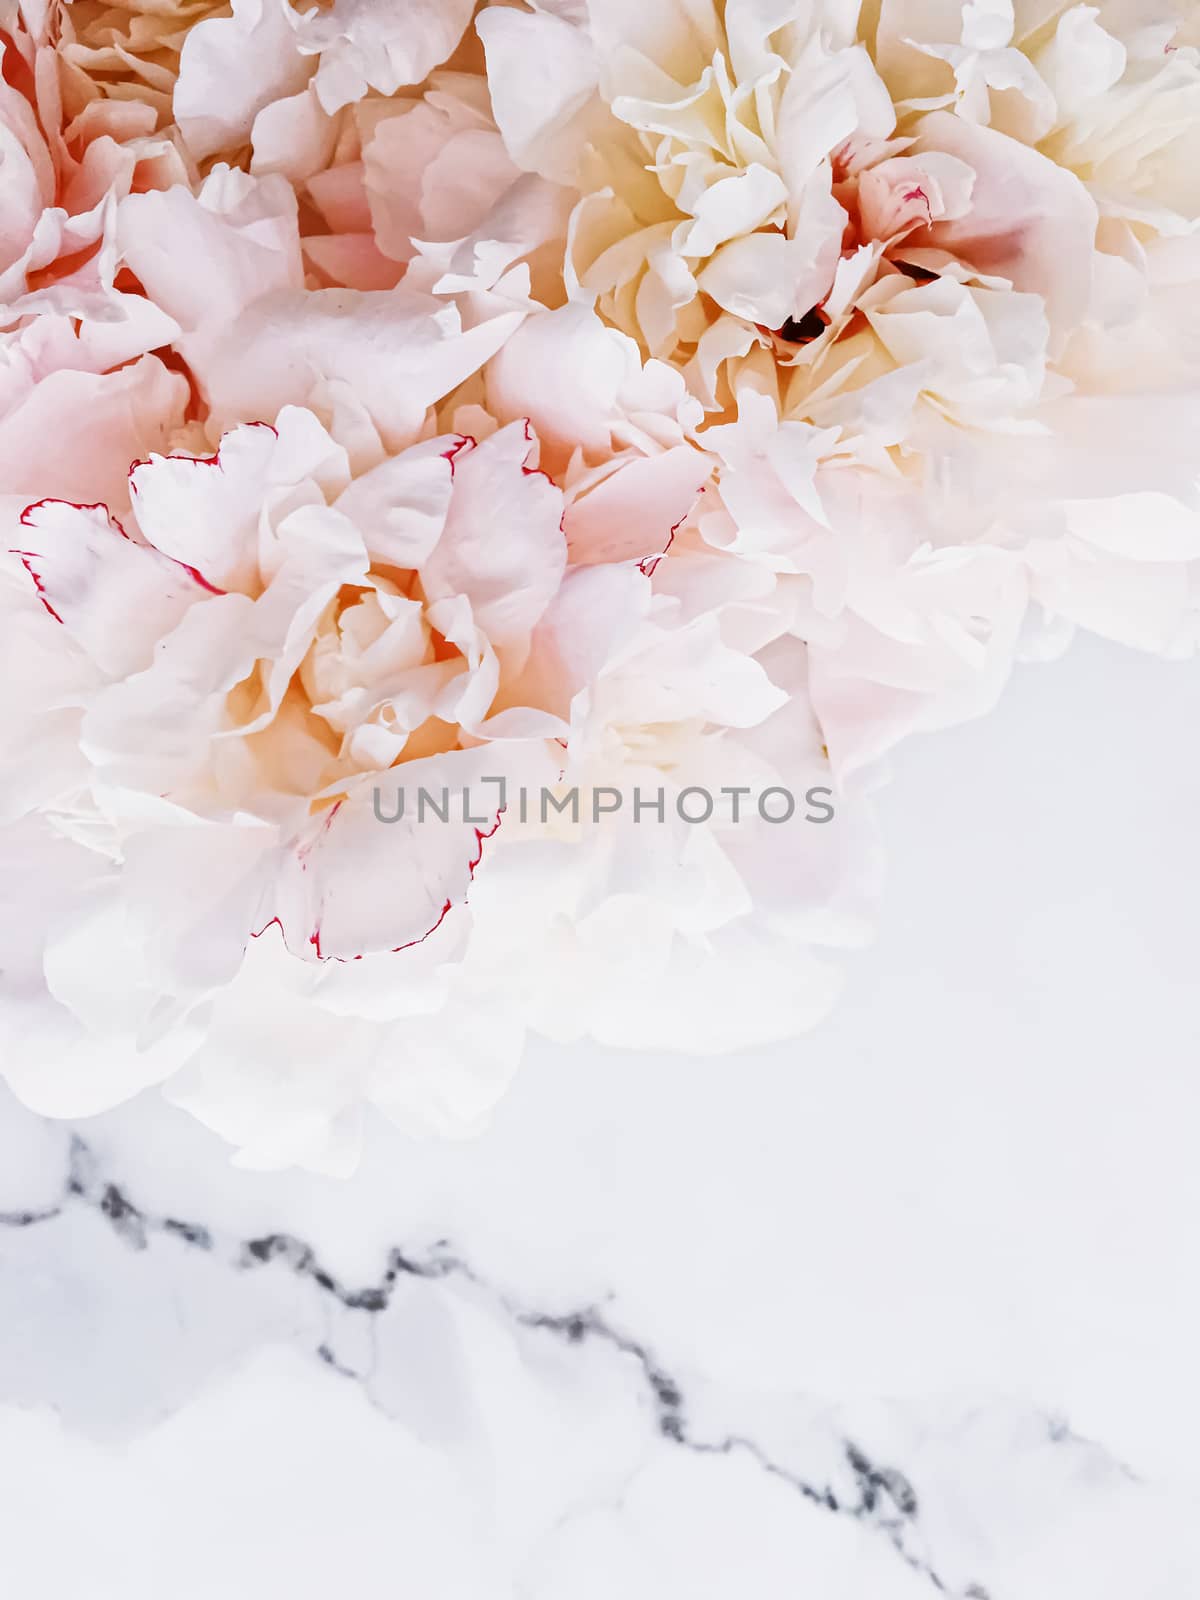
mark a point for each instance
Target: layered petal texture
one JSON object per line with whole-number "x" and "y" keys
{"x": 457, "y": 459}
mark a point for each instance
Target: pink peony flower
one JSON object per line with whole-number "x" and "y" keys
{"x": 75, "y": 333}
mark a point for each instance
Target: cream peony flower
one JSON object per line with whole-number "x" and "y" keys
{"x": 770, "y": 164}
{"x": 926, "y": 267}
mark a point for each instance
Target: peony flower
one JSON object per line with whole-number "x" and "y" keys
{"x": 75, "y": 337}
{"x": 75, "y": 408}
{"x": 921, "y": 279}
{"x": 128, "y": 54}
{"x": 298, "y": 633}
{"x": 727, "y": 162}
{"x": 66, "y": 166}
{"x": 745, "y": 178}
{"x": 255, "y": 74}
{"x": 232, "y": 673}
{"x": 294, "y": 633}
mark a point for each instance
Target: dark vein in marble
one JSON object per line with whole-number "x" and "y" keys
{"x": 27, "y": 1219}
{"x": 1060, "y": 1431}
{"x": 885, "y": 1500}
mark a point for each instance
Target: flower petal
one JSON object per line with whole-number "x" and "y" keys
{"x": 92, "y": 578}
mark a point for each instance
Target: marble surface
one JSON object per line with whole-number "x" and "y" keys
{"x": 908, "y": 1309}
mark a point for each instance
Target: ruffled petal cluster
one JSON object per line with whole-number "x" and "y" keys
{"x": 532, "y": 403}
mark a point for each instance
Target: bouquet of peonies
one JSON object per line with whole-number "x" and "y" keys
{"x": 573, "y": 441}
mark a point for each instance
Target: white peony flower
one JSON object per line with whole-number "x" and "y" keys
{"x": 241, "y": 666}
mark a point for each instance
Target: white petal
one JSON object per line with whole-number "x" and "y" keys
{"x": 732, "y": 206}
{"x": 543, "y": 73}
{"x": 400, "y": 506}
{"x": 503, "y": 545}
{"x": 634, "y": 511}
{"x": 1030, "y": 221}
{"x": 206, "y": 511}
{"x": 419, "y": 867}
{"x": 378, "y": 44}
{"x": 230, "y": 68}
{"x": 114, "y": 597}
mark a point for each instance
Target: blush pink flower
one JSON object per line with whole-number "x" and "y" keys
{"x": 80, "y": 391}
{"x": 66, "y": 165}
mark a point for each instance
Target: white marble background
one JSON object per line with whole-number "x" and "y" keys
{"x": 910, "y": 1308}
